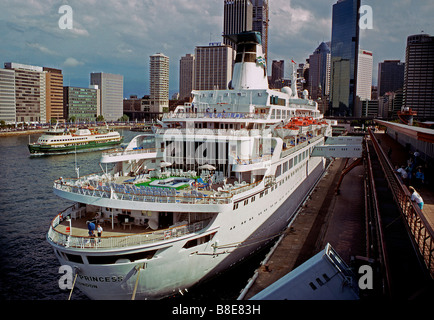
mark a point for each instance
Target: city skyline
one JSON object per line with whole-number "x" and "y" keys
{"x": 116, "y": 37}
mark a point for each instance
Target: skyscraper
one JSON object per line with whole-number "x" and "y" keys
{"x": 213, "y": 67}
{"x": 30, "y": 92}
{"x": 7, "y": 95}
{"x": 246, "y": 15}
{"x": 260, "y": 23}
{"x": 80, "y": 103}
{"x": 344, "y": 57}
{"x": 277, "y": 72}
{"x": 238, "y": 17}
{"x": 319, "y": 71}
{"x": 111, "y": 90}
{"x": 54, "y": 92}
{"x": 186, "y": 72}
{"x": 390, "y": 76}
{"x": 364, "y": 75}
{"x": 159, "y": 81}
{"x": 419, "y": 75}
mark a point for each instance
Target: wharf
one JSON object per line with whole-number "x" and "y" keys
{"x": 338, "y": 219}
{"x": 325, "y": 218}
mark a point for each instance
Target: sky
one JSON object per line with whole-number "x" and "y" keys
{"x": 119, "y": 36}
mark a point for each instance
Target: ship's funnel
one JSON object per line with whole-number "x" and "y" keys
{"x": 250, "y": 70}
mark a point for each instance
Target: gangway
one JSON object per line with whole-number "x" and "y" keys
{"x": 340, "y": 147}
{"x": 349, "y": 147}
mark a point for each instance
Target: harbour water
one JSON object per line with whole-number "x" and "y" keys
{"x": 29, "y": 269}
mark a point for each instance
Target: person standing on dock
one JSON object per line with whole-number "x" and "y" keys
{"x": 416, "y": 197}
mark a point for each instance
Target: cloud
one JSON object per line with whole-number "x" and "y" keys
{"x": 79, "y": 31}
{"x": 72, "y": 62}
{"x": 119, "y": 36}
{"x": 41, "y": 48}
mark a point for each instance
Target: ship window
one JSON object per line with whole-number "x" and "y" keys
{"x": 74, "y": 258}
{"x": 312, "y": 285}
{"x": 112, "y": 259}
{"x": 278, "y": 170}
{"x": 198, "y": 241}
{"x": 319, "y": 281}
{"x": 250, "y": 57}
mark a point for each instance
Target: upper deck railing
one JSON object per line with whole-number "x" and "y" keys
{"x": 122, "y": 152}
{"x": 101, "y": 187}
{"x": 216, "y": 115}
{"x": 121, "y": 241}
{"x": 110, "y": 190}
{"x": 213, "y": 132}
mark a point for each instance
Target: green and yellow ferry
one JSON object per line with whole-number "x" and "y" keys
{"x": 61, "y": 141}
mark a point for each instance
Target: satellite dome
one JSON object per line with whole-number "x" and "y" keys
{"x": 287, "y": 90}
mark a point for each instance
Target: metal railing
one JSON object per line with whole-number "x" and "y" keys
{"x": 180, "y": 132}
{"x": 130, "y": 193}
{"x": 121, "y": 241}
{"x": 420, "y": 229}
{"x": 122, "y": 152}
{"x": 216, "y": 115}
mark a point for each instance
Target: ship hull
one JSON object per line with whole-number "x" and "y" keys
{"x": 249, "y": 229}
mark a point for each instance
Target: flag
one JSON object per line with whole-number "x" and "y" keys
{"x": 293, "y": 61}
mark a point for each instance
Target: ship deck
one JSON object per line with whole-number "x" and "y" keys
{"x": 79, "y": 226}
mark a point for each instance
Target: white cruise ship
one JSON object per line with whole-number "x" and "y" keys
{"x": 225, "y": 176}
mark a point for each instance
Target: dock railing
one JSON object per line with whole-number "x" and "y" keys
{"x": 417, "y": 225}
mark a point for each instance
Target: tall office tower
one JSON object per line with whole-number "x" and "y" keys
{"x": 186, "y": 72}
{"x": 319, "y": 72}
{"x": 260, "y": 23}
{"x": 30, "y": 96}
{"x": 419, "y": 75}
{"x": 80, "y": 103}
{"x": 238, "y": 17}
{"x": 54, "y": 93}
{"x": 7, "y": 95}
{"x": 159, "y": 81}
{"x": 111, "y": 90}
{"x": 364, "y": 75}
{"x": 390, "y": 76}
{"x": 213, "y": 67}
{"x": 344, "y": 52}
{"x": 277, "y": 73}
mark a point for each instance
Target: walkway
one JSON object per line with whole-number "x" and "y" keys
{"x": 398, "y": 157}
{"x": 325, "y": 218}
